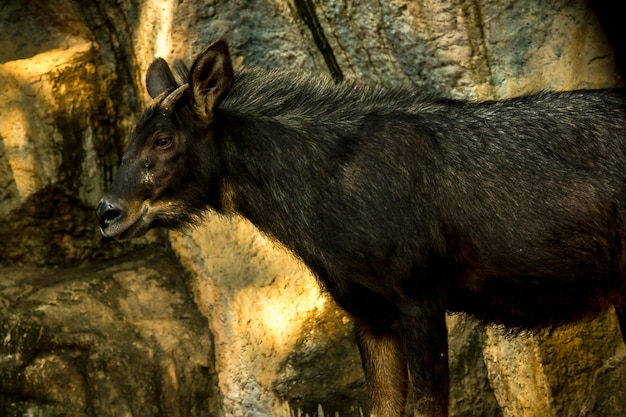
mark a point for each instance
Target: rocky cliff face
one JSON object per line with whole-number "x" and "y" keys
{"x": 219, "y": 321}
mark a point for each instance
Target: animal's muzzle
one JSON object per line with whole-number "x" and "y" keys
{"x": 107, "y": 214}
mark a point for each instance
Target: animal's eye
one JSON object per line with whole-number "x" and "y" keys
{"x": 163, "y": 142}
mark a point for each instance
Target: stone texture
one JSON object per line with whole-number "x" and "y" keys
{"x": 549, "y": 373}
{"x": 108, "y": 339}
{"x": 64, "y": 115}
{"x": 607, "y": 396}
{"x": 471, "y": 391}
{"x": 102, "y": 323}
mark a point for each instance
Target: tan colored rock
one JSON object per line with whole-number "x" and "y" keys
{"x": 517, "y": 376}
{"x": 110, "y": 339}
{"x": 32, "y": 145}
{"x": 63, "y": 123}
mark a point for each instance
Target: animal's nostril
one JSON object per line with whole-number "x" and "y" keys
{"x": 110, "y": 215}
{"x": 107, "y": 213}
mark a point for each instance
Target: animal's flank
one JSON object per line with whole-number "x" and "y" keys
{"x": 403, "y": 205}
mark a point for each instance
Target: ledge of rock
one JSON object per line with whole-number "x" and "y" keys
{"x": 110, "y": 339}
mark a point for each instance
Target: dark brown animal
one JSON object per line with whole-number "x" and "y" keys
{"x": 404, "y": 206}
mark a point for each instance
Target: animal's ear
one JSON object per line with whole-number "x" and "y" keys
{"x": 159, "y": 78}
{"x": 211, "y": 77}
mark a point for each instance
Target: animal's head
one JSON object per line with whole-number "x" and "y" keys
{"x": 167, "y": 176}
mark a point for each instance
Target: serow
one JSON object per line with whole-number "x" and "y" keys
{"x": 404, "y": 206}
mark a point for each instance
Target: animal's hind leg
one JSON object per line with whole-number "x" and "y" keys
{"x": 424, "y": 332}
{"x": 384, "y": 363}
{"x": 620, "y": 309}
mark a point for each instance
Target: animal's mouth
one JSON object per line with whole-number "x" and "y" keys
{"x": 122, "y": 220}
{"x": 137, "y": 229}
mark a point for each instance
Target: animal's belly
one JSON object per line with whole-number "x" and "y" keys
{"x": 533, "y": 302}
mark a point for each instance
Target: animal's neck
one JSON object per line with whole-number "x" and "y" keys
{"x": 286, "y": 143}
{"x": 274, "y": 175}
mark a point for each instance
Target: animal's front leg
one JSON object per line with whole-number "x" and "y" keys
{"x": 423, "y": 330}
{"x": 384, "y": 363}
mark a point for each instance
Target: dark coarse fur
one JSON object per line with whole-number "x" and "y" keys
{"x": 404, "y": 206}
{"x": 514, "y": 202}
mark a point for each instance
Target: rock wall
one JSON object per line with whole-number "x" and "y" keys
{"x": 118, "y": 338}
{"x": 243, "y": 330}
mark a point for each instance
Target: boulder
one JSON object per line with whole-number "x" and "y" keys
{"x": 106, "y": 339}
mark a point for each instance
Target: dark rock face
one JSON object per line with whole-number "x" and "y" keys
{"x": 108, "y": 339}
{"x": 309, "y": 378}
{"x": 92, "y": 327}
{"x": 607, "y": 396}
